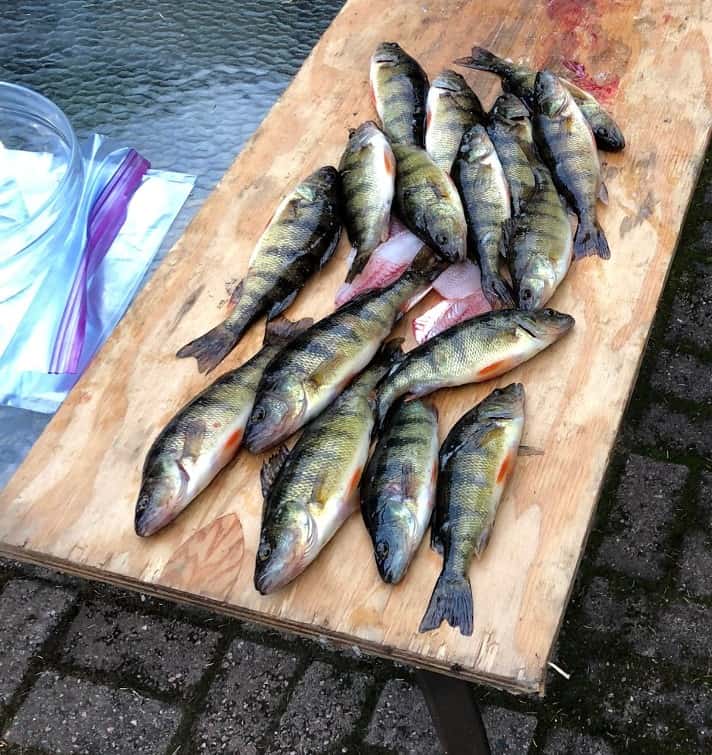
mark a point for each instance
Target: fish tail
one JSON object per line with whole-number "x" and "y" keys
{"x": 590, "y": 240}
{"x": 497, "y": 292}
{"x": 451, "y": 601}
{"x": 212, "y": 347}
{"x": 484, "y": 60}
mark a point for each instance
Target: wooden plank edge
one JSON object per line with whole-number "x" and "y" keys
{"x": 525, "y": 687}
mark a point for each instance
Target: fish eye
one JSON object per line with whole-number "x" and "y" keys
{"x": 264, "y": 552}
{"x": 259, "y": 413}
{"x": 441, "y": 239}
{"x": 526, "y": 294}
{"x": 382, "y": 549}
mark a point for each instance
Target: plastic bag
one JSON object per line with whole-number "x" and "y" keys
{"x": 107, "y": 286}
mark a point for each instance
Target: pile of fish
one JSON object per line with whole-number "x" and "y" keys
{"x": 443, "y": 195}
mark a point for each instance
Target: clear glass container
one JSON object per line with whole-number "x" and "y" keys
{"x": 41, "y": 178}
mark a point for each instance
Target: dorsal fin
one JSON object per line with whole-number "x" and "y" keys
{"x": 270, "y": 469}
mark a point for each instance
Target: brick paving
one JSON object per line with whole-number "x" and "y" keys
{"x": 91, "y": 669}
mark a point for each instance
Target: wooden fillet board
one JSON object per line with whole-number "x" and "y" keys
{"x": 71, "y": 503}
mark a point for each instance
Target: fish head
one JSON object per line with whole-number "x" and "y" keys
{"x": 507, "y": 107}
{"x": 287, "y": 539}
{"x": 536, "y": 286}
{"x": 163, "y": 495}
{"x": 476, "y": 145}
{"x": 392, "y": 544}
{"x": 450, "y": 82}
{"x": 389, "y": 54}
{"x": 503, "y": 403}
{"x": 275, "y": 415}
{"x": 447, "y": 231}
{"x": 550, "y": 96}
{"x": 323, "y": 182}
{"x": 542, "y": 325}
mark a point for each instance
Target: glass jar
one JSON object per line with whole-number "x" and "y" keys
{"x": 41, "y": 177}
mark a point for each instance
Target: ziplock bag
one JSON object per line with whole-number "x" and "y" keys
{"x": 63, "y": 290}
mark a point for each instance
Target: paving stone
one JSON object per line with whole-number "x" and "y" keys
{"x": 695, "y": 576}
{"x": 681, "y": 635}
{"x": 29, "y": 612}
{"x": 401, "y": 721}
{"x": 564, "y": 742}
{"x": 322, "y": 710}
{"x": 63, "y": 714}
{"x": 682, "y": 375}
{"x": 509, "y": 732}
{"x": 691, "y": 311}
{"x": 704, "y": 501}
{"x": 166, "y": 654}
{"x": 608, "y": 611}
{"x": 664, "y": 428}
{"x": 247, "y": 693}
{"x": 638, "y": 525}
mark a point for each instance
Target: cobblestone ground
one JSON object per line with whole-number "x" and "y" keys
{"x": 85, "y": 668}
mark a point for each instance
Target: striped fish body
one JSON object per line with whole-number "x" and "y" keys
{"x": 476, "y": 461}
{"x": 479, "y": 176}
{"x": 300, "y": 238}
{"x": 520, "y": 81}
{"x": 509, "y": 128}
{"x": 541, "y": 244}
{"x": 399, "y": 87}
{"x": 567, "y": 145}
{"x": 307, "y": 499}
{"x": 473, "y": 351}
{"x": 306, "y": 376}
{"x": 398, "y": 489}
{"x": 428, "y": 203}
{"x": 203, "y": 437}
{"x": 368, "y": 170}
{"x": 451, "y": 108}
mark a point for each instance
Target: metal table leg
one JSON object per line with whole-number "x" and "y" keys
{"x": 455, "y": 714}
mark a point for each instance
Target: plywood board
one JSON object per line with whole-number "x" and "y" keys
{"x": 71, "y": 503}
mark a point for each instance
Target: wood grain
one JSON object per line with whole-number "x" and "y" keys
{"x": 71, "y": 503}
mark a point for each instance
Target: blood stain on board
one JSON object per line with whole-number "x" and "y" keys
{"x": 603, "y": 86}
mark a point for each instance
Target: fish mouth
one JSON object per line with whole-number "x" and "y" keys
{"x": 273, "y": 578}
{"x": 147, "y": 521}
{"x": 387, "y": 52}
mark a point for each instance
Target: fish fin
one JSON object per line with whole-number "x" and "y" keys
{"x": 497, "y": 291}
{"x": 329, "y": 252}
{"x": 391, "y": 352}
{"x": 427, "y": 264}
{"x": 194, "y": 434}
{"x": 525, "y": 450}
{"x": 437, "y": 533}
{"x": 357, "y": 265}
{"x": 271, "y": 468}
{"x": 483, "y": 60}
{"x": 590, "y": 240}
{"x": 282, "y": 330}
{"x": 603, "y": 192}
{"x": 212, "y": 347}
{"x": 279, "y": 307}
{"x": 484, "y": 538}
{"x": 451, "y": 601}
{"x": 475, "y": 436}
{"x": 235, "y": 296}
{"x": 509, "y": 228}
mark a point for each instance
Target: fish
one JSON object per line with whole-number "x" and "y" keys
{"x": 398, "y": 487}
{"x": 368, "y": 170}
{"x": 428, "y": 203}
{"x": 451, "y": 108}
{"x": 566, "y": 143}
{"x": 476, "y": 462}
{"x": 398, "y": 87}
{"x": 510, "y": 130}
{"x": 306, "y": 497}
{"x": 472, "y": 351}
{"x": 479, "y": 176}
{"x": 460, "y": 286}
{"x": 520, "y": 80}
{"x": 299, "y": 239}
{"x": 203, "y": 436}
{"x": 307, "y": 375}
{"x": 386, "y": 264}
{"x": 540, "y": 244}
